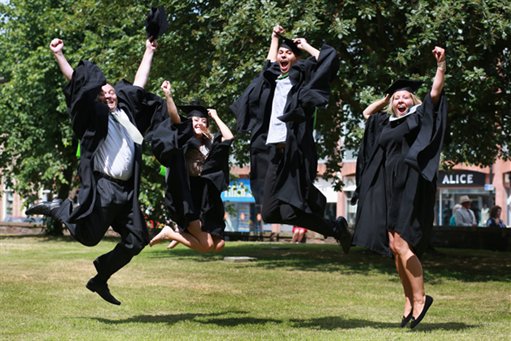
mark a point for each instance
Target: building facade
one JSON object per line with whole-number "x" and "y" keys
{"x": 486, "y": 187}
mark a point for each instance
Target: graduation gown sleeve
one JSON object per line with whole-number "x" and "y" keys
{"x": 145, "y": 107}
{"x": 315, "y": 91}
{"x": 81, "y": 97}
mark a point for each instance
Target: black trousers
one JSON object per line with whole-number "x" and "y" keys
{"x": 113, "y": 207}
{"x": 277, "y": 211}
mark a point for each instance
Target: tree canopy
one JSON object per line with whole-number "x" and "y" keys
{"x": 213, "y": 49}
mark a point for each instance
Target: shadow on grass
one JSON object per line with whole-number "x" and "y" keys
{"x": 323, "y": 323}
{"x": 441, "y": 264}
{"x": 168, "y": 318}
{"x": 336, "y": 322}
{"x": 457, "y": 264}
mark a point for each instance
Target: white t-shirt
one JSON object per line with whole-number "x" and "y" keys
{"x": 115, "y": 156}
{"x": 277, "y": 131}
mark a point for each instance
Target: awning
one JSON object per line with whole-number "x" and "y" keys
{"x": 238, "y": 191}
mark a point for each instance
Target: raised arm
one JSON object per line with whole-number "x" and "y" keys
{"x": 274, "y": 45}
{"x": 438, "y": 82}
{"x": 304, "y": 45}
{"x": 56, "y": 46}
{"x": 376, "y": 106}
{"x": 224, "y": 129}
{"x": 145, "y": 65}
{"x": 171, "y": 106}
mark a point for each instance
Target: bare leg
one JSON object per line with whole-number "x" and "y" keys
{"x": 412, "y": 271}
{"x": 172, "y": 244}
{"x": 193, "y": 237}
{"x": 301, "y": 233}
{"x": 407, "y": 288}
{"x": 295, "y": 237}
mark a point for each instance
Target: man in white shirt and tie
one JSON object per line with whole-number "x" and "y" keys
{"x": 109, "y": 123}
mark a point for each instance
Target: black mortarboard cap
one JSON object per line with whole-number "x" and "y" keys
{"x": 404, "y": 84}
{"x": 289, "y": 44}
{"x": 156, "y": 22}
{"x": 194, "y": 110}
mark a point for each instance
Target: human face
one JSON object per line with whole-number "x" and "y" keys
{"x": 108, "y": 96}
{"x": 401, "y": 101}
{"x": 200, "y": 125}
{"x": 286, "y": 58}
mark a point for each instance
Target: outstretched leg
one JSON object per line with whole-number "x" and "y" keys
{"x": 193, "y": 237}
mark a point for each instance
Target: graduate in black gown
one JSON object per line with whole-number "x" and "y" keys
{"x": 396, "y": 178}
{"x": 109, "y": 122}
{"x": 278, "y": 110}
{"x": 197, "y": 172}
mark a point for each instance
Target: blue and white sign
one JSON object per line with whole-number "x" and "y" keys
{"x": 238, "y": 191}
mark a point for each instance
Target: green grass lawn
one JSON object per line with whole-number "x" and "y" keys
{"x": 300, "y": 292}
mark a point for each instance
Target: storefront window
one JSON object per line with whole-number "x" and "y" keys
{"x": 481, "y": 202}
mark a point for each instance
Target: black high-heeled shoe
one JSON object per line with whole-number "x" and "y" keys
{"x": 406, "y": 319}
{"x": 427, "y": 304}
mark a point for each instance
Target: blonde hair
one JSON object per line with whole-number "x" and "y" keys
{"x": 416, "y": 100}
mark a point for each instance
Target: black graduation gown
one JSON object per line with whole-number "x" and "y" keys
{"x": 311, "y": 89}
{"x": 189, "y": 197}
{"x": 396, "y": 177}
{"x": 89, "y": 120}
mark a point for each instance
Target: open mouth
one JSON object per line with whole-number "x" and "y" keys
{"x": 284, "y": 65}
{"x": 402, "y": 109}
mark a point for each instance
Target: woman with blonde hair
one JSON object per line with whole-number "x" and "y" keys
{"x": 396, "y": 178}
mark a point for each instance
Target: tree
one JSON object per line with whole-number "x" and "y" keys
{"x": 214, "y": 48}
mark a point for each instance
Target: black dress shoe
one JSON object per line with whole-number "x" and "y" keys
{"x": 43, "y": 208}
{"x": 342, "y": 234}
{"x": 101, "y": 288}
{"x": 406, "y": 319}
{"x": 427, "y": 304}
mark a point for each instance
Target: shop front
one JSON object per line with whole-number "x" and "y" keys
{"x": 244, "y": 215}
{"x": 456, "y": 183}
{"x": 241, "y": 212}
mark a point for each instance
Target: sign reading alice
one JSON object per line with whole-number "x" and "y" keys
{"x": 461, "y": 178}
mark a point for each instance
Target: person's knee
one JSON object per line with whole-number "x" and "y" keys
{"x": 206, "y": 247}
{"x": 270, "y": 215}
{"x": 87, "y": 239}
{"x": 398, "y": 245}
{"x": 133, "y": 248}
{"x": 278, "y": 213}
{"x": 137, "y": 248}
{"x": 90, "y": 242}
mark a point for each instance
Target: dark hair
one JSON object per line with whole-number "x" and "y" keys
{"x": 494, "y": 210}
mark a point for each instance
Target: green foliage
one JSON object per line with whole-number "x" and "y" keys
{"x": 214, "y": 48}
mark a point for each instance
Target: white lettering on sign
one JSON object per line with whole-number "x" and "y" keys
{"x": 458, "y": 179}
